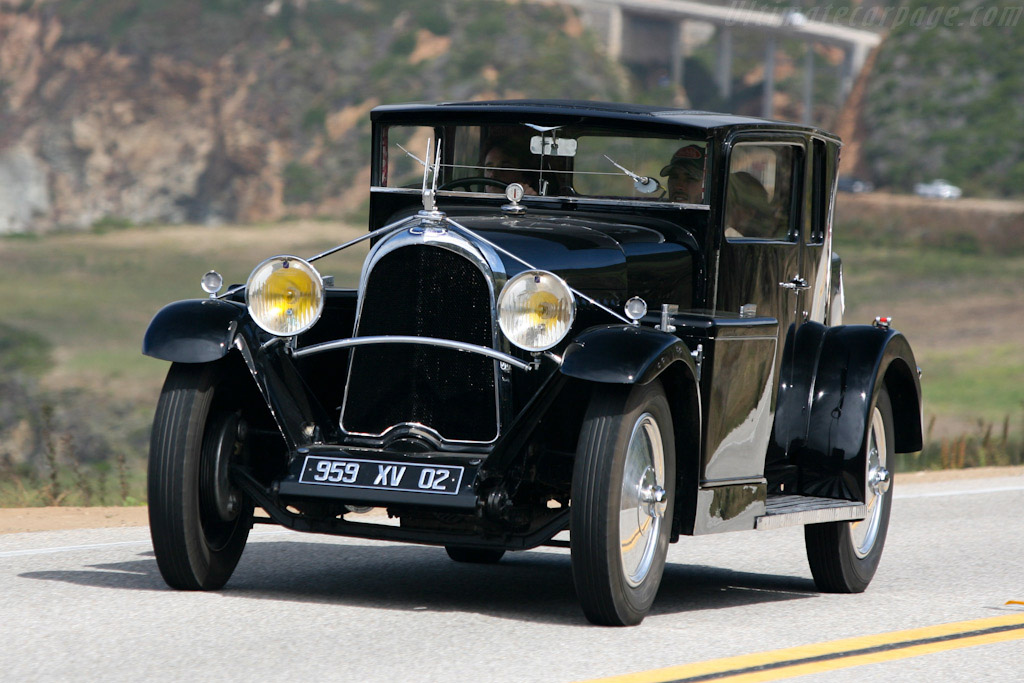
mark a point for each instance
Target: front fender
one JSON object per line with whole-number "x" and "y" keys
{"x": 193, "y": 331}
{"x": 623, "y": 354}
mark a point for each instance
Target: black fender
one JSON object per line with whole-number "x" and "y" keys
{"x": 205, "y": 330}
{"x": 630, "y": 354}
{"x": 623, "y": 354}
{"x": 194, "y": 331}
{"x": 829, "y": 381}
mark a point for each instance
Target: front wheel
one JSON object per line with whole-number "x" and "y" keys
{"x": 844, "y": 555}
{"x": 623, "y": 489}
{"x": 198, "y": 521}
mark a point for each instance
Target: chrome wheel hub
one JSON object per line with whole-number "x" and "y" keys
{"x": 643, "y": 500}
{"x": 878, "y": 479}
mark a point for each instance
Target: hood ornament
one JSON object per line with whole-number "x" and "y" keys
{"x": 430, "y": 216}
{"x": 429, "y": 213}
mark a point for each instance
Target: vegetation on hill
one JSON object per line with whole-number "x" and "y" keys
{"x": 947, "y": 101}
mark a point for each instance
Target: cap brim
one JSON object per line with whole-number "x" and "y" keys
{"x": 693, "y": 167}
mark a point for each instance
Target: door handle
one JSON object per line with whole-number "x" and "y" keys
{"x": 796, "y": 284}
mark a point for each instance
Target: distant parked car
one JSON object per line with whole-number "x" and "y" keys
{"x": 938, "y": 189}
{"x": 850, "y": 184}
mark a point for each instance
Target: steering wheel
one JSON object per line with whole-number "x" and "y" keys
{"x": 473, "y": 180}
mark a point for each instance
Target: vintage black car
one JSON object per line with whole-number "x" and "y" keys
{"x": 621, "y": 321}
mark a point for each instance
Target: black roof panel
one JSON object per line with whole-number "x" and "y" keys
{"x": 700, "y": 120}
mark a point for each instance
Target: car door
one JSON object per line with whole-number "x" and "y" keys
{"x": 759, "y": 276}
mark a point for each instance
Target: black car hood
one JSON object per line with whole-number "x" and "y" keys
{"x": 606, "y": 260}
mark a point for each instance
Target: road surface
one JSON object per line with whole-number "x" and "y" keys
{"x": 90, "y": 605}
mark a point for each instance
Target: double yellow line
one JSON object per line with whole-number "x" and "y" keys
{"x": 839, "y": 654}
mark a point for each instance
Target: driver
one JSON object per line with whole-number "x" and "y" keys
{"x": 685, "y": 172}
{"x": 505, "y": 162}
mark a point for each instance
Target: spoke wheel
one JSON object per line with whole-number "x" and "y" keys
{"x": 622, "y": 496}
{"x": 198, "y": 521}
{"x": 844, "y": 555}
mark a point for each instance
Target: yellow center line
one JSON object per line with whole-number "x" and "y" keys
{"x": 839, "y": 654}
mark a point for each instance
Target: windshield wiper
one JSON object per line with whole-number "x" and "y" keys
{"x": 641, "y": 183}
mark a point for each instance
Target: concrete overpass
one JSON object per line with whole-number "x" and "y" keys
{"x": 635, "y": 30}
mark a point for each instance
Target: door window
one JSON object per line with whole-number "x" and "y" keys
{"x": 759, "y": 192}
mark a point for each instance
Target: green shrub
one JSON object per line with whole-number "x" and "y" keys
{"x": 403, "y": 45}
{"x": 23, "y": 351}
{"x": 315, "y": 118}
{"x": 301, "y": 184}
{"x": 111, "y": 223}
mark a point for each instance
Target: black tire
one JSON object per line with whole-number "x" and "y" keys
{"x": 198, "y": 537}
{"x": 844, "y": 555}
{"x": 608, "y": 593}
{"x": 474, "y": 555}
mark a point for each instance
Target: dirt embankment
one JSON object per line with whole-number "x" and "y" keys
{"x": 19, "y": 520}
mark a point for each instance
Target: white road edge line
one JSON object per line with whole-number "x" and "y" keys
{"x": 969, "y": 492}
{"x": 95, "y": 546}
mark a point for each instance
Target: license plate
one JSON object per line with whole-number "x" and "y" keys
{"x": 388, "y": 476}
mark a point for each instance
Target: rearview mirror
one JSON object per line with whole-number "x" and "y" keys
{"x": 552, "y": 146}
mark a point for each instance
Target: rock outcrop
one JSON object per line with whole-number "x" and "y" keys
{"x": 91, "y": 134}
{"x": 127, "y": 111}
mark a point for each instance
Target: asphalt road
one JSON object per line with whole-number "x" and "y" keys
{"x": 90, "y": 605}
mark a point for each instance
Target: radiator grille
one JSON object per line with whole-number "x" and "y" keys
{"x": 424, "y": 291}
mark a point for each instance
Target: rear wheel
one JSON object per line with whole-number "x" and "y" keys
{"x": 844, "y": 555}
{"x": 622, "y": 498}
{"x": 474, "y": 555}
{"x": 199, "y": 522}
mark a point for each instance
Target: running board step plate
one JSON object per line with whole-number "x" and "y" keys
{"x": 782, "y": 511}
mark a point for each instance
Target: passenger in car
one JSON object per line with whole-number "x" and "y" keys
{"x": 747, "y": 212}
{"x": 685, "y": 172}
{"x": 505, "y": 161}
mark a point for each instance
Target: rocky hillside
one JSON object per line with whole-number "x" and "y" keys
{"x": 947, "y": 101}
{"x": 116, "y": 112}
{"x": 138, "y": 111}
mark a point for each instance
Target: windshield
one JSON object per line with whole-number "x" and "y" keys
{"x": 564, "y": 161}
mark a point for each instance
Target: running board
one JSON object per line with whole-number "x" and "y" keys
{"x": 782, "y": 511}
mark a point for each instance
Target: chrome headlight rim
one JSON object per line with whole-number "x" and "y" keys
{"x": 316, "y": 280}
{"x": 562, "y": 292}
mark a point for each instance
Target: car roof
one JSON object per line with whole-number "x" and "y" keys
{"x": 616, "y": 111}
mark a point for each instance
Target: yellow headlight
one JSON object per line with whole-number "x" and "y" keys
{"x": 285, "y": 295}
{"x": 535, "y": 310}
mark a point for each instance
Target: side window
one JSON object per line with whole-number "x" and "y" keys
{"x": 759, "y": 191}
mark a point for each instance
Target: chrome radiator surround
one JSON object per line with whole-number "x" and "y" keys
{"x": 485, "y": 260}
